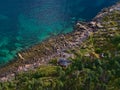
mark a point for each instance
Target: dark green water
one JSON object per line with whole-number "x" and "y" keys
{"x": 26, "y": 22}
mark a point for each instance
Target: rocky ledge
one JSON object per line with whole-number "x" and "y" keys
{"x": 54, "y": 47}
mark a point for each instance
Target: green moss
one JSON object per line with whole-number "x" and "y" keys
{"x": 53, "y": 61}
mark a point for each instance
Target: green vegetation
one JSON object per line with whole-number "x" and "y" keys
{"x": 96, "y": 65}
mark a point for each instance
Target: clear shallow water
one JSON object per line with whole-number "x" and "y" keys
{"x": 26, "y": 22}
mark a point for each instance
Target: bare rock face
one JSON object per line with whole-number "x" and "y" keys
{"x": 20, "y": 56}
{"x": 99, "y": 25}
{"x": 93, "y": 23}
{"x": 80, "y": 26}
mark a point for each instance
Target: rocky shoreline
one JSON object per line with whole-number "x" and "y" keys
{"x": 55, "y": 47}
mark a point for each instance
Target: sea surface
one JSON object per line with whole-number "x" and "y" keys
{"x": 26, "y": 22}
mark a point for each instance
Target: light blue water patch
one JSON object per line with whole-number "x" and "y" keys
{"x": 3, "y": 17}
{"x": 26, "y": 22}
{"x": 4, "y": 41}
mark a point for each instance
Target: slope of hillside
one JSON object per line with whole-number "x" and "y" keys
{"x": 93, "y": 49}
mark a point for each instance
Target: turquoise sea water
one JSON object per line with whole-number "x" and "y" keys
{"x": 26, "y": 22}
